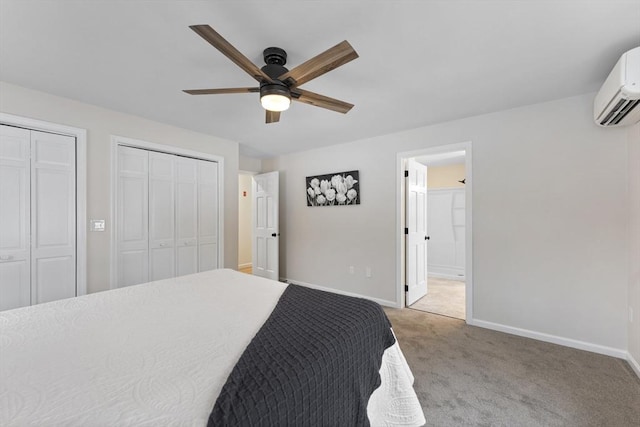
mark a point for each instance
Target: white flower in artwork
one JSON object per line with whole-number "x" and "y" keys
{"x": 331, "y": 194}
{"x": 341, "y": 198}
{"x": 335, "y": 180}
{"x": 314, "y": 183}
{"x": 310, "y": 192}
{"x": 317, "y": 190}
{"x": 321, "y": 199}
{"x": 324, "y": 186}
{"x": 352, "y": 194}
{"x": 350, "y": 181}
{"x": 341, "y": 187}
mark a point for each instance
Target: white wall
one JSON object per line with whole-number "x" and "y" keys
{"x": 249, "y": 164}
{"x": 634, "y": 245}
{"x": 550, "y": 219}
{"x": 101, "y": 124}
{"x": 244, "y": 219}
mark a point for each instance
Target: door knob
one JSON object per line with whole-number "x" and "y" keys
{"x": 274, "y": 234}
{"x": 427, "y": 237}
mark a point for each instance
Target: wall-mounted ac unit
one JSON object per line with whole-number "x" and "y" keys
{"x": 618, "y": 101}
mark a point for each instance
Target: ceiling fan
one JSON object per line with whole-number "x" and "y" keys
{"x": 278, "y": 85}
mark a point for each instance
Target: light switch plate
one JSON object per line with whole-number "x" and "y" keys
{"x": 96, "y": 224}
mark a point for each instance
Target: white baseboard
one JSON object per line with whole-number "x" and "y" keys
{"x": 567, "y": 342}
{"x": 634, "y": 364}
{"x": 382, "y": 302}
{"x": 245, "y": 265}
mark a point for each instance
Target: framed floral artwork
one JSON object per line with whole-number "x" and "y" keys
{"x": 333, "y": 189}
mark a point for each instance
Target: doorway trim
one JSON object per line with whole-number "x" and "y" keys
{"x": 400, "y": 184}
{"x": 81, "y": 185}
{"x": 117, "y": 141}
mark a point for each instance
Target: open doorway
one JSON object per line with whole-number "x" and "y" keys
{"x": 245, "y": 247}
{"x": 435, "y": 245}
{"x": 445, "y": 229}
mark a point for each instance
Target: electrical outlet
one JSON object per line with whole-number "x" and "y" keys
{"x": 352, "y": 270}
{"x": 367, "y": 272}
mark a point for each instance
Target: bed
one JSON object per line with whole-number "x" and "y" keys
{"x": 160, "y": 354}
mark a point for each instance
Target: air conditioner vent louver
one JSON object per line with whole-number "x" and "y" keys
{"x": 620, "y": 111}
{"x": 618, "y": 101}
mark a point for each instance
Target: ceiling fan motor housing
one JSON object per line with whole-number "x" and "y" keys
{"x": 275, "y": 88}
{"x": 274, "y": 55}
{"x": 275, "y": 58}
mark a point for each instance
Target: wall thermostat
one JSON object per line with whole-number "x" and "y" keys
{"x": 96, "y": 224}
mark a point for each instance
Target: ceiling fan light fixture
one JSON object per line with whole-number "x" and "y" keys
{"x": 275, "y": 97}
{"x": 278, "y": 85}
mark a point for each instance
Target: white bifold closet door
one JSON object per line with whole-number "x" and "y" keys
{"x": 162, "y": 238}
{"x": 207, "y": 215}
{"x": 187, "y": 215}
{"x": 167, "y": 219}
{"x": 37, "y": 217}
{"x": 132, "y": 216}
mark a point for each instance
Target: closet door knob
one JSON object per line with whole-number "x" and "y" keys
{"x": 274, "y": 234}
{"x": 427, "y": 237}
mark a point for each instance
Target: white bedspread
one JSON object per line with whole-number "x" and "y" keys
{"x": 153, "y": 354}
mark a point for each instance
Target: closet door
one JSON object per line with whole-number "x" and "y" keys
{"x": 187, "y": 216}
{"x": 132, "y": 216}
{"x": 53, "y": 217}
{"x": 15, "y": 288}
{"x": 162, "y": 256}
{"x": 207, "y": 215}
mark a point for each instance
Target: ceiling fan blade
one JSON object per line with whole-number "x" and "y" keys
{"x": 219, "y": 42}
{"x": 320, "y": 64}
{"x": 220, "y": 91}
{"x": 272, "y": 116}
{"x": 317, "y": 100}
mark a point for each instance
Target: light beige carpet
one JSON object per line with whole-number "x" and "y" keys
{"x": 444, "y": 297}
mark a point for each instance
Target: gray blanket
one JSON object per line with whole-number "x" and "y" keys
{"x": 315, "y": 362}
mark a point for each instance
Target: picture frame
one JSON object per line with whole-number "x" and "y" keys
{"x": 333, "y": 189}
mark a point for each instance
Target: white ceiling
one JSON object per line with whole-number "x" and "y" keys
{"x": 421, "y": 62}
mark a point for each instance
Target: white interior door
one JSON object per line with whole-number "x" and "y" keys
{"x": 132, "y": 231}
{"x": 53, "y": 217}
{"x": 265, "y": 256}
{"x": 187, "y": 216}
{"x": 416, "y": 231}
{"x": 207, "y": 215}
{"x": 162, "y": 243}
{"x": 15, "y": 272}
